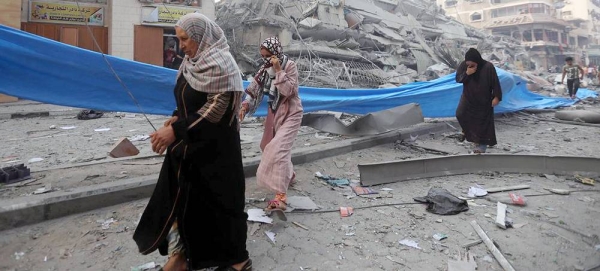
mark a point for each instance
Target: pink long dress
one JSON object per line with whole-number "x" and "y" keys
{"x": 276, "y": 171}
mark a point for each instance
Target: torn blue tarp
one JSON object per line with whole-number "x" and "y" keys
{"x": 39, "y": 69}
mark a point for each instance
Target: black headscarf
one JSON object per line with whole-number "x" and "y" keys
{"x": 475, "y": 56}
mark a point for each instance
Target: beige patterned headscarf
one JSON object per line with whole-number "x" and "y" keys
{"x": 213, "y": 69}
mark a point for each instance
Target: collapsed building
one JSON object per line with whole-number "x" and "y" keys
{"x": 359, "y": 43}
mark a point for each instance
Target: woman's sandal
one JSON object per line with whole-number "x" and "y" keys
{"x": 277, "y": 206}
{"x": 246, "y": 267}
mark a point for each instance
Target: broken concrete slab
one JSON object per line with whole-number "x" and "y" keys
{"x": 370, "y": 124}
{"x": 388, "y": 172}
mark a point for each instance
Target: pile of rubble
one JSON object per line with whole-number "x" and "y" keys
{"x": 359, "y": 43}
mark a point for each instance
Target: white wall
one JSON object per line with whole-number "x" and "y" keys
{"x": 123, "y": 15}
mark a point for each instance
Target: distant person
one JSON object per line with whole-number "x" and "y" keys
{"x": 169, "y": 57}
{"x": 574, "y": 73}
{"x": 591, "y": 71}
{"x": 481, "y": 93}
{"x": 277, "y": 82}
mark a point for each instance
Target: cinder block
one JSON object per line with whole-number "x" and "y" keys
{"x": 123, "y": 148}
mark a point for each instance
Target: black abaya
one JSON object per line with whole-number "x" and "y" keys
{"x": 475, "y": 112}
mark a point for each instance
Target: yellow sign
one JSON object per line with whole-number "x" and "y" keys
{"x": 66, "y": 13}
{"x": 167, "y": 15}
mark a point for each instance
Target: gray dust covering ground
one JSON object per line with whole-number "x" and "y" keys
{"x": 552, "y": 232}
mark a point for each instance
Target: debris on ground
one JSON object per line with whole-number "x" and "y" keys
{"x": 14, "y": 174}
{"x": 510, "y": 198}
{"x": 42, "y": 190}
{"x": 584, "y": 180}
{"x": 477, "y": 191}
{"x": 123, "y": 148}
{"x": 410, "y": 243}
{"x": 360, "y": 191}
{"x": 501, "y": 216}
{"x": 440, "y": 236}
{"x": 89, "y": 114}
{"x": 301, "y": 203}
{"x": 440, "y": 201}
{"x": 346, "y": 211}
{"x": 332, "y": 180}
{"x": 258, "y": 215}
{"x": 271, "y": 236}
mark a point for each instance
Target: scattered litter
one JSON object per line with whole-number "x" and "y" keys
{"x": 255, "y": 227}
{"x": 488, "y": 215}
{"x": 585, "y": 180}
{"x": 35, "y": 160}
{"x": 19, "y": 255}
{"x": 102, "y": 130}
{"x": 68, "y": 127}
{"x": 129, "y": 116}
{"x": 259, "y": 215}
{"x": 440, "y": 236}
{"x": 340, "y": 164}
{"x": 439, "y": 221}
{"x": 89, "y": 114}
{"x": 501, "y": 215}
{"x": 338, "y": 182}
{"x": 52, "y": 127}
{"x": 440, "y": 201}
{"x": 139, "y": 138}
{"x": 43, "y": 190}
{"x": 346, "y": 211}
{"x": 331, "y": 180}
{"x": 410, "y": 243}
{"x": 106, "y": 223}
{"x": 386, "y": 189}
{"x": 143, "y": 267}
{"x": 477, "y": 191}
{"x": 271, "y": 236}
{"x": 123, "y": 148}
{"x": 507, "y": 188}
{"x": 14, "y": 174}
{"x": 300, "y": 225}
{"x": 511, "y": 198}
{"x": 559, "y": 191}
{"x": 359, "y": 190}
{"x": 301, "y": 203}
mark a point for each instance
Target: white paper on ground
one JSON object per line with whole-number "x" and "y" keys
{"x": 410, "y": 243}
{"x": 258, "y": 215}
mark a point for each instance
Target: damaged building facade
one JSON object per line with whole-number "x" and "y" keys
{"x": 550, "y": 30}
{"x": 357, "y": 43}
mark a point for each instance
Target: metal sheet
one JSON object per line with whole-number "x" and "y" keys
{"x": 389, "y": 172}
{"x": 370, "y": 124}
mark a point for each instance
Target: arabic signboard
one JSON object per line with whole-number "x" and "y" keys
{"x": 165, "y": 15}
{"x": 66, "y": 13}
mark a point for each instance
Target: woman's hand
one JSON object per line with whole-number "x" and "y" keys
{"x": 162, "y": 139}
{"x": 495, "y": 102}
{"x": 276, "y": 64}
{"x": 171, "y": 120}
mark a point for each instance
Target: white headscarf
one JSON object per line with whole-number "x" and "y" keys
{"x": 213, "y": 69}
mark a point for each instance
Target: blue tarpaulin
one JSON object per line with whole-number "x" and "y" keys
{"x": 39, "y": 69}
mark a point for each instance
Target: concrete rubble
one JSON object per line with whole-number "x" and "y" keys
{"x": 360, "y": 43}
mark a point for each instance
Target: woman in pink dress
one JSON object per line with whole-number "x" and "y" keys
{"x": 278, "y": 81}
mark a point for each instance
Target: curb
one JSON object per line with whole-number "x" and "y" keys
{"x": 38, "y": 114}
{"x": 34, "y": 209}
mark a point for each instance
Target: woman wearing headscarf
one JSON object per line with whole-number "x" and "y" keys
{"x": 481, "y": 93}
{"x": 277, "y": 79}
{"x": 196, "y": 213}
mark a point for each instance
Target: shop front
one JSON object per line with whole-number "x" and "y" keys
{"x": 66, "y": 21}
{"x": 145, "y": 32}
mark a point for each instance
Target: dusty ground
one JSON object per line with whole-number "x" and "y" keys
{"x": 551, "y": 239}
{"x": 68, "y": 154}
